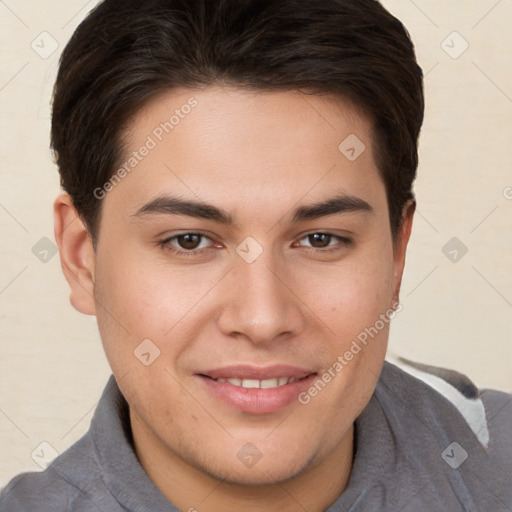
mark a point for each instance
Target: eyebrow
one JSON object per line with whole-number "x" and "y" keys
{"x": 338, "y": 204}
{"x": 176, "y": 206}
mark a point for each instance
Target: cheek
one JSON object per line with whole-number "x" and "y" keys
{"x": 145, "y": 293}
{"x": 144, "y": 298}
{"x": 351, "y": 296}
{"x": 354, "y": 302}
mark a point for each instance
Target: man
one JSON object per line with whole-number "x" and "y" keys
{"x": 238, "y": 202}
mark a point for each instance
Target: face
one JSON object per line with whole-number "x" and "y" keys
{"x": 246, "y": 244}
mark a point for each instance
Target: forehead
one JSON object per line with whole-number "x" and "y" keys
{"x": 244, "y": 146}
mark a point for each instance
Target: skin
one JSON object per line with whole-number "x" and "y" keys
{"x": 258, "y": 156}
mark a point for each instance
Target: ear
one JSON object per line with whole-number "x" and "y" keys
{"x": 400, "y": 246}
{"x": 76, "y": 254}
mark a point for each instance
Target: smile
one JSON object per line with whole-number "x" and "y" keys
{"x": 257, "y": 390}
{"x": 261, "y": 384}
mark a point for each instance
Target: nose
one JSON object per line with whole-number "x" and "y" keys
{"x": 259, "y": 303}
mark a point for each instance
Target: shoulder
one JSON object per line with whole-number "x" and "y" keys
{"x": 450, "y": 442}
{"x": 37, "y": 492}
{"x": 70, "y": 483}
{"x": 487, "y": 412}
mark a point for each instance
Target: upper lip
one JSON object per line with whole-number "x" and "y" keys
{"x": 258, "y": 373}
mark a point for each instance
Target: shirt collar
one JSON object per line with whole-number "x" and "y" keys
{"x": 121, "y": 470}
{"x": 375, "y": 448}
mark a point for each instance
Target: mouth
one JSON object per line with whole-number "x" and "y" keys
{"x": 257, "y": 390}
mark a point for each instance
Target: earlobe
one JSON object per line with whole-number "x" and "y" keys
{"x": 400, "y": 249}
{"x": 76, "y": 254}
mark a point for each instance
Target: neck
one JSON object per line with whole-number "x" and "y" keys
{"x": 192, "y": 490}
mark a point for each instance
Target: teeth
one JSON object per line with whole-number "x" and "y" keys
{"x": 262, "y": 384}
{"x": 272, "y": 383}
{"x": 247, "y": 383}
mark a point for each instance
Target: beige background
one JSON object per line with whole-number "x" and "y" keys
{"x": 457, "y": 315}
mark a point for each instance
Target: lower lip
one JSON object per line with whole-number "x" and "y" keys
{"x": 257, "y": 400}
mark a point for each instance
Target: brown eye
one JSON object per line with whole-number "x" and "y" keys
{"x": 325, "y": 242}
{"x": 189, "y": 245}
{"x": 319, "y": 240}
{"x": 189, "y": 241}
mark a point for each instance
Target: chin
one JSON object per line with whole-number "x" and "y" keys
{"x": 262, "y": 473}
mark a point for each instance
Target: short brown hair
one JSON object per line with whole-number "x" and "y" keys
{"x": 125, "y": 52}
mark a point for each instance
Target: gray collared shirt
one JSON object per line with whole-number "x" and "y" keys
{"x": 428, "y": 442}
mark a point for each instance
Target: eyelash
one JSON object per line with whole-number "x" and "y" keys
{"x": 166, "y": 244}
